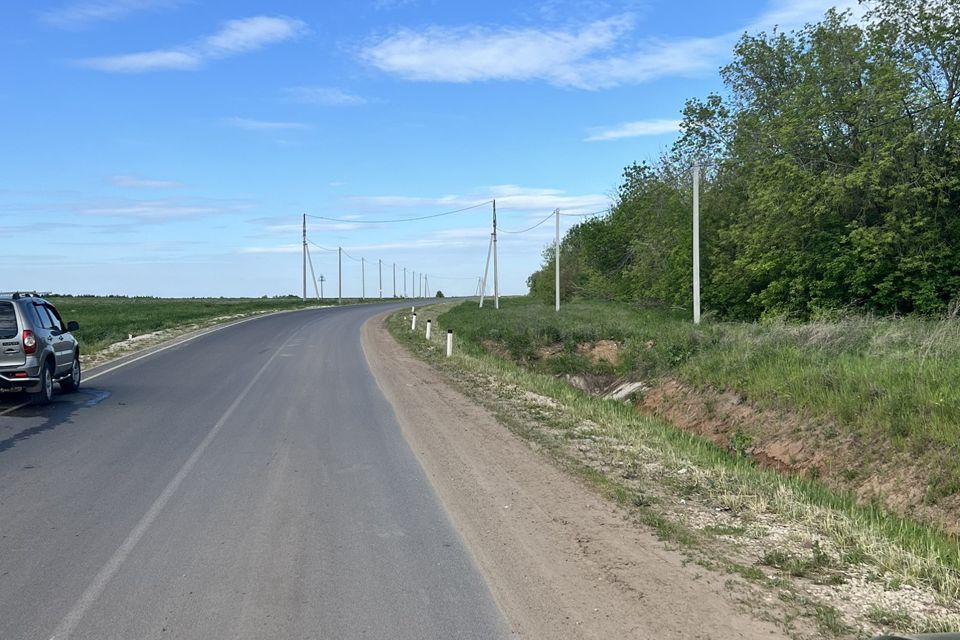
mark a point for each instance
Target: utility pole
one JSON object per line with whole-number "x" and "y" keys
{"x": 496, "y": 279}
{"x": 696, "y": 242}
{"x": 486, "y": 270}
{"x": 557, "y": 260}
{"x": 478, "y": 285}
{"x": 421, "y": 284}
{"x": 304, "y": 257}
{"x": 380, "y": 269}
{"x": 404, "y": 282}
{"x": 426, "y": 284}
{"x": 363, "y": 278}
{"x": 339, "y": 275}
{"x": 394, "y": 279}
{"x": 313, "y": 275}
{"x": 322, "y": 279}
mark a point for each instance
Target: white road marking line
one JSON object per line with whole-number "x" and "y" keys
{"x": 100, "y": 581}
{"x": 11, "y": 409}
{"x": 170, "y": 346}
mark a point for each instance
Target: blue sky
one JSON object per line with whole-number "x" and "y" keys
{"x": 169, "y": 147}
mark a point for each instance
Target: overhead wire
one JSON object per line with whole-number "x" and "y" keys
{"x": 435, "y": 215}
{"x": 528, "y": 228}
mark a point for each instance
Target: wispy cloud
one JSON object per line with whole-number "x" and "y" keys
{"x": 79, "y": 15}
{"x": 325, "y": 96}
{"x": 264, "y": 125}
{"x": 634, "y": 130}
{"x": 134, "y": 182}
{"x": 235, "y": 37}
{"x": 159, "y": 210}
{"x": 597, "y": 55}
{"x": 508, "y": 197}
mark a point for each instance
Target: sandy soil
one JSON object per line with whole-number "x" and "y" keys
{"x": 561, "y": 561}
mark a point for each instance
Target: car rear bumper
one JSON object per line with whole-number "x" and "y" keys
{"x": 10, "y": 380}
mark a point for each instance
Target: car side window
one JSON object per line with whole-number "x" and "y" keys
{"x": 43, "y": 318}
{"x": 58, "y": 323}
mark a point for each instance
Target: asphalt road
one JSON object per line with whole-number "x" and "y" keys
{"x": 249, "y": 483}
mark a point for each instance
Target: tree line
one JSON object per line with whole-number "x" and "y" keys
{"x": 831, "y": 179}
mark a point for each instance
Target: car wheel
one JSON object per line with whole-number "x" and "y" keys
{"x": 45, "y": 395}
{"x": 71, "y": 384}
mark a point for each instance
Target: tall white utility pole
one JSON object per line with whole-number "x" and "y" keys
{"x": 363, "y": 278}
{"x": 557, "y": 260}
{"x": 404, "y": 282}
{"x": 394, "y": 279}
{"x": 304, "y": 257}
{"x": 322, "y": 278}
{"x": 486, "y": 270}
{"x": 339, "y": 275}
{"x": 426, "y": 284}
{"x": 380, "y": 269}
{"x": 496, "y": 279}
{"x": 696, "y": 242}
{"x": 479, "y": 279}
{"x": 313, "y": 275}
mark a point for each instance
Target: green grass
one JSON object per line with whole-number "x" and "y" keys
{"x": 892, "y": 380}
{"x": 105, "y": 320}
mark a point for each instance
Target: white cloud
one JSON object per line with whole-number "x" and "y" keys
{"x": 236, "y": 36}
{"x": 325, "y": 96}
{"x": 159, "y": 210}
{"x": 78, "y": 15}
{"x": 596, "y": 56}
{"x": 508, "y": 197}
{"x": 635, "y": 130}
{"x": 469, "y": 54}
{"x": 134, "y": 182}
{"x": 264, "y": 125}
{"x": 287, "y": 248}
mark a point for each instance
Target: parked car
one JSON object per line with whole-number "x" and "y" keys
{"x": 36, "y": 347}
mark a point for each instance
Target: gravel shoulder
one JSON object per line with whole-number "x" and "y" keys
{"x": 560, "y": 560}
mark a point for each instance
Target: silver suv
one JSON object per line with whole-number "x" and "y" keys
{"x": 36, "y": 347}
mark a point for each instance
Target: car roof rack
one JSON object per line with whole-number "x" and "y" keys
{"x": 16, "y": 295}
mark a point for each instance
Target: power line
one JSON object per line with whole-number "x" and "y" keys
{"x": 549, "y": 215}
{"x": 321, "y": 248}
{"x": 350, "y": 256}
{"x": 584, "y": 215}
{"x": 435, "y": 215}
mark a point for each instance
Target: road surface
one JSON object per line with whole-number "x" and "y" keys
{"x": 249, "y": 483}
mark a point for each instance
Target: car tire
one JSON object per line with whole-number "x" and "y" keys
{"x": 72, "y": 383}
{"x": 45, "y": 395}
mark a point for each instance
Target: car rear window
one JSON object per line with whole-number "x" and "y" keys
{"x": 8, "y": 321}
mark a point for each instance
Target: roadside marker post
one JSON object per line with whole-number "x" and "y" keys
{"x": 449, "y": 342}
{"x": 413, "y": 322}
{"x": 429, "y": 326}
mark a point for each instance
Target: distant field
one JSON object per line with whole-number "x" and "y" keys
{"x": 105, "y": 320}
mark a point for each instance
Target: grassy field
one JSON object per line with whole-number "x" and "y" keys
{"x": 106, "y": 320}
{"x": 843, "y": 565}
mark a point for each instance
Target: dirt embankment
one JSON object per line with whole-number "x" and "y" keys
{"x": 561, "y": 562}
{"x": 871, "y": 469}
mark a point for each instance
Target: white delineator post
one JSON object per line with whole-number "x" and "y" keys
{"x": 429, "y": 326}
{"x": 413, "y": 322}
{"x": 696, "y": 243}
{"x": 557, "y": 260}
{"x": 449, "y": 342}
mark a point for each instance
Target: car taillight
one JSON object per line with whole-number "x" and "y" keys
{"x": 29, "y": 342}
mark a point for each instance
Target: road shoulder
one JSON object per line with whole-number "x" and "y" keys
{"x": 561, "y": 561}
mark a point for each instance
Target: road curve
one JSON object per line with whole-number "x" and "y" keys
{"x": 249, "y": 483}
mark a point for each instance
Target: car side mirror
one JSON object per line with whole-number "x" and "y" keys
{"x": 73, "y": 325}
